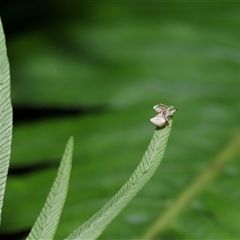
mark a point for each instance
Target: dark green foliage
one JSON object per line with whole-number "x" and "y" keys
{"x": 112, "y": 62}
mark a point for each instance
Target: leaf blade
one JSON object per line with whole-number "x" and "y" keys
{"x": 5, "y": 117}
{"x": 152, "y": 158}
{"x": 47, "y": 221}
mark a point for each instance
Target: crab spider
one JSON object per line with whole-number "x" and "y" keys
{"x": 164, "y": 114}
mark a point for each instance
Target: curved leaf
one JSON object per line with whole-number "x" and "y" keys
{"x": 92, "y": 228}
{"x": 5, "y": 117}
{"x": 47, "y": 221}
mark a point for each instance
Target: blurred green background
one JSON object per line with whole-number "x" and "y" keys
{"x": 94, "y": 70}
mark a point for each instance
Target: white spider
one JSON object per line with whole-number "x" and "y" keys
{"x": 164, "y": 114}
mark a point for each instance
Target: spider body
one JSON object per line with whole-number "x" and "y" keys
{"x": 165, "y": 113}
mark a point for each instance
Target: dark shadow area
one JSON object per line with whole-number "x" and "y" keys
{"x": 24, "y": 113}
{"x": 18, "y": 235}
{"x": 27, "y": 16}
{"x": 32, "y": 168}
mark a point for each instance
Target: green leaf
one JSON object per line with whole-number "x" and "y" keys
{"x": 47, "y": 221}
{"x": 92, "y": 228}
{"x": 5, "y": 117}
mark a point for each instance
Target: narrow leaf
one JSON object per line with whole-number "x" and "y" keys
{"x": 47, "y": 221}
{"x": 92, "y": 228}
{"x": 5, "y": 117}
